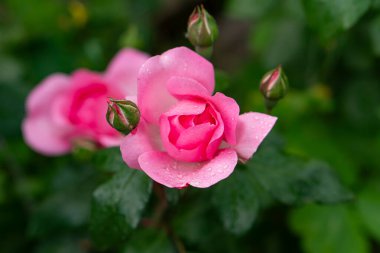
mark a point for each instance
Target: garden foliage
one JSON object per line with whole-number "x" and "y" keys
{"x": 312, "y": 186}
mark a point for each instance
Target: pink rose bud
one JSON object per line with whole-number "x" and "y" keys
{"x": 274, "y": 86}
{"x": 202, "y": 30}
{"x": 122, "y": 115}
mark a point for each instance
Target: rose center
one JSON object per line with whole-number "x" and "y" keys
{"x": 86, "y": 104}
{"x": 192, "y": 137}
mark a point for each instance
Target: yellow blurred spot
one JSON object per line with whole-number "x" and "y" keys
{"x": 78, "y": 13}
{"x": 321, "y": 92}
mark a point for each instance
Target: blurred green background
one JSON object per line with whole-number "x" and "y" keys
{"x": 330, "y": 50}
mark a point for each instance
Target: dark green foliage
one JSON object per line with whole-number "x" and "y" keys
{"x": 149, "y": 241}
{"x": 293, "y": 181}
{"x": 368, "y": 207}
{"x": 329, "y": 17}
{"x": 117, "y": 206}
{"x": 329, "y": 229}
{"x": 237, "y": 201}
{"x": 324, "y": 149}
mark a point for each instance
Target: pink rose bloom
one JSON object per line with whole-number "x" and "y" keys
{"x": 63, "y": 110}
{"x": 187, "y": 135}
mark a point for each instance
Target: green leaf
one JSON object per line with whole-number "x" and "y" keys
{"x": 118, "y": 205}
{"x": 197, "y": 224}
{"x": 329, "y": 17}
{"x": 67, "y": 206}
{"x": 317, "y": 183}
{"x": 192, "y": 222}
{"x": 237, "y": 201}
{"x": 149, "y": 241}
{"x": 292, "y": 180}
{"x": 369, "y": 205}
{"x": 376, "y": 4}
{"x": 249, "y": 8}
{"x": 328, "y": 229}
{"x": 110, "y": 160}
{"x": 62, "y": 244}
{"x": 172, "y": 195}
{"x": 374, "y": 33}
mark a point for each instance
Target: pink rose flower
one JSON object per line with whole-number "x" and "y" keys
{"x": 64, "y": 109}
{"x": 186, "y": 135}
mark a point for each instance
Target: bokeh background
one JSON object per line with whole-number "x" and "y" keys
{"x": 330, "y": 51}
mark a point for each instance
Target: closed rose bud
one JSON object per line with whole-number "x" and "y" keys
{"x": 202, "y": 30}
{"x": 274, "y": 86}
{"x": 122, "y": 115}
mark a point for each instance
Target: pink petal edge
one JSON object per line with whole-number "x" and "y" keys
{"x": 123, "y": 69}
{"x": 183, "y": 87}
{"x": 252, "y": 128}
{"x": 174, "y": 174}
{"x": 136, "y": 143}
{"x": 229, "y": 111}
{"x": 44, "y": 137}
{"x": 45, "y": 92}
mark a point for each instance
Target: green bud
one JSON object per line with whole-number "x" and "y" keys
{"x": 274, "y": 87}
{"x": 122, "y": 115}
{"x": 202, "y": 30}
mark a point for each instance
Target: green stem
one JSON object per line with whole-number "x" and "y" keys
{"x": 162, "y": 204}
{"x": 269, "y": 105}
{"x": 158, "y": 217}
{"x": 206, "y": 52}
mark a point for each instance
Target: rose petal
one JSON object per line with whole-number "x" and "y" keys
{"x": 83, "y": 78}
{"x": 41, "y": 134}
{"x": 194, "y": 136}
{"x": 251, "y": 129}
{"x": 48, "y": 90}
{"x": 142, "y": 140}
{"x": 171, "y": 173}
{"x": 217, "y": 137}
{"x": 229, "y": 111}
{"x": 170, "y": 140}
{"x": 110, "y": 141}
{"x": 170, "y": 132}
{"x": 182, "y": 87}
{"x": 153, "y": 96}
{"x": 165, "y": 131}
{"x": 122, "y": 71}
{"x": 186, "y": 107}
